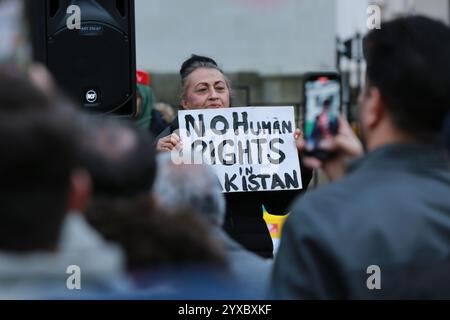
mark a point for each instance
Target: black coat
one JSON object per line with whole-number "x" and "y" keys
{"x": 244, "y": 215}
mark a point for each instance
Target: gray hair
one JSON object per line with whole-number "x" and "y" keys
{"x": 197, "y": 65}
{"x": 194, "y": 186}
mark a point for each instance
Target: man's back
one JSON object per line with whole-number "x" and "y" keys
{"x": 392, "y": 211}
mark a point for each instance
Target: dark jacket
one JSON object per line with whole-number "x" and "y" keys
{"x": 392, "y": 211}
{"x": 244, "y": 215}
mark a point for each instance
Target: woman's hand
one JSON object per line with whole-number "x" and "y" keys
{"x": 346, "y": 147}
{"x": 169, "y": 143}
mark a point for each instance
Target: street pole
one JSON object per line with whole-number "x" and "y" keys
{"x": 338, "y": 54}
{"x": 358, "y": 62}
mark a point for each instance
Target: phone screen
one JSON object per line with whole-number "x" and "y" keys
{"x": 322, "y": 109}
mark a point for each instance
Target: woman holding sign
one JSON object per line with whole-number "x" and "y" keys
{"x": 204, "y": 86}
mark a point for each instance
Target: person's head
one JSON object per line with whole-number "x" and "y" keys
{"x": 408, "y": 75}
{"x": 38, "y": 143}
{"x": 203, "y": 84}
{"x": 194, "y": 186}
{"x": 119, "y": 157}
{"x": 182, "y": 239}
{"x": 121, "y": 161}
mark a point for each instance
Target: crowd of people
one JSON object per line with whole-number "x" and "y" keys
{"x": 103, "y": 196}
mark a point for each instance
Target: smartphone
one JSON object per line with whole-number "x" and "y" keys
{"x": 322, "y": 100}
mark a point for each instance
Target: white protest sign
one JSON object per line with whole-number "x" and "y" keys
{"x": 251, "y": 148}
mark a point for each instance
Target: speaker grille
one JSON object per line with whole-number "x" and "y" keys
{"x": 100, "y": 63}
{"x": 95, "y": 64}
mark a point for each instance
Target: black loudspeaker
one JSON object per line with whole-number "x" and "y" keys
{"x": 96, "y": 63}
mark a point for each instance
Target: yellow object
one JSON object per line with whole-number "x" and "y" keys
{"x": 356, "y": 129}
{"x": 274, "y": 224}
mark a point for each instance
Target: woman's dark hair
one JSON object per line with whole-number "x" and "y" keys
{"x": 194, "y": 60}
{"x": 117, "y": 167}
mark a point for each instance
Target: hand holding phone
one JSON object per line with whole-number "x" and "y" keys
{"x": 345, "y": 148}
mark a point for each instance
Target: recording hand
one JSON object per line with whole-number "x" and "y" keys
{"x": 345, "y": 146}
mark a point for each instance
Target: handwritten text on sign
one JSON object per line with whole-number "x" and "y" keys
{"x": 251, "y": 149}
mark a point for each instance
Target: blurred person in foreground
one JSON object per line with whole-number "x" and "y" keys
{"x": 382, "y": 230}
{"x": 168, "y": 256}
{"x": 43, "y": 234}
{"x": 197, "y": 187}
